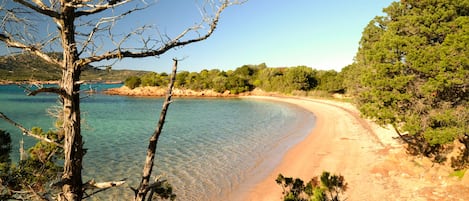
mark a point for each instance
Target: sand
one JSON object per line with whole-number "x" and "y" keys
{"x": 374, "y": 164}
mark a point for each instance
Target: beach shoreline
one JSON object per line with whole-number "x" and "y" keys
{"x": 317, "y": 152}
{"x": 371, "y": 159}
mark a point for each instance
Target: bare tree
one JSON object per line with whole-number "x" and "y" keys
{"x": 145, "y": 185}
{"x": 79, "y": 26}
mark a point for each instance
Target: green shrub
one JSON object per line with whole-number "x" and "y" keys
{"x": 327, "y": 187}
{"x": 132, "y": 82}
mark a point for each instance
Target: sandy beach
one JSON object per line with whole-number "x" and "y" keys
{"x": 373, "y": 162}
{"x": 374, "y": 165}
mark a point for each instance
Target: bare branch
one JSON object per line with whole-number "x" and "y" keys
{"x": 41, "y": 89}
{"x": 35, "y": 50}
{"x": 28, "y": 132}
{"x": 175, "y": 42}
{"x": 101, "y": 186}
{"x": 36, "y": 195}
{"x": 105, "y": 20}
{"x": 108, "y": 184}
{"x": 41, "y": 8}
{"x": 98, "y": 8}
{"x": 55, "y": 90}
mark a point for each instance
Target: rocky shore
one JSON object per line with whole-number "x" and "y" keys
{"x": 160, "y": 91}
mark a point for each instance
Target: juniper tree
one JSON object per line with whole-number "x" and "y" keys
{"x": 413, "y": 69}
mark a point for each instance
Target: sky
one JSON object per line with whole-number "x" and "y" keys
{"x": 315, "y": 33}
{"x": 322, "y": 34}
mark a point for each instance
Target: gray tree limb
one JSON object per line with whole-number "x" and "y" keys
{"x": 145, "y": 185}
{"x": 28, "y": 132}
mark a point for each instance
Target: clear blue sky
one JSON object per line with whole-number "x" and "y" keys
{"x": 321, "y": 34}
{"x": 281, "y": 33}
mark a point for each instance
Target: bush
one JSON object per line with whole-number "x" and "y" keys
{"x": 132, "y": 82}
{"x": 327, "y": 187}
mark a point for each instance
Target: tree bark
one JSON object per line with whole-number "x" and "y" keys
{"x": 144, "y": 186}
{"x": 73, "y": 145}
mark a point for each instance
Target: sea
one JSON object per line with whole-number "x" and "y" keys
{"x": 210, "y": 148}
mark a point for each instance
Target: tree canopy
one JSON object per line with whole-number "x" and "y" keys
{"x": 246, "y": 78}
{"x": 412, "y": 72}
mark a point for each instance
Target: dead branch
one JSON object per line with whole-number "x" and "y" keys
{"x": 55, "y": 90}
{"x": 101, "y": 186}
{"x": 108, "y": 184}
{"x": 28, "y": 132}
{"x": 175, "y": 42}
{"x": 142, "y": 190}
{"x": 36, "y": 195}
{"x": 33, "y": 49}
{"x": 97, "y": 8}
{"x": 40, "y": 8}
{"x": 155, "y": 185}
{"x": 42, "y": 89}
{"x": 105, "y": 20}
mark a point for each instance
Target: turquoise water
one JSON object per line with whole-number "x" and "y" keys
{"x": 210, "y": 149}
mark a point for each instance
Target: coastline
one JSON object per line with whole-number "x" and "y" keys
{"x": 373, "y": 163}
{"x": 177, "y": 92}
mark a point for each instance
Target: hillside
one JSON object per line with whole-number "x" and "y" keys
{"x": 25, "y": 67}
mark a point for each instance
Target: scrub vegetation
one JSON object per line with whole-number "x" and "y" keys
{"x": 246, "y": 78}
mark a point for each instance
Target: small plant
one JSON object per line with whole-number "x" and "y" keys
{"x": 327, "y": 187}
{"x": 458, "y": 173}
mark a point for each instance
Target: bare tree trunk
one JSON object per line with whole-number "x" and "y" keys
{"x": 144, "y": 186}
{"x": 73, "y": 144}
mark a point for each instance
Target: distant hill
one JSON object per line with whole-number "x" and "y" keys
{"x": 26, "y": 67}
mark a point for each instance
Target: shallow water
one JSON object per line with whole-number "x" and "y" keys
{"x": 210, "y": 149}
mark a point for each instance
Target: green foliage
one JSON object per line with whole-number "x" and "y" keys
{"x": 327, "y": 187}
{"x": 153, "y": 79}
{"x": 5, "y": 164}
{"x": 162, "y": 190}
{"x": 5, "y": 149}
{"x": 220, "y": 84}
{"x": 329, "y": 81}
{"x": 271, "y": 79}
{"x": 132, "y": 82}
{"x": 248, "y": 77}
{"x": 287, "y": 80}
{"x": 412, "y": 71}
{"x": 300, "y": 78}
{"x": 181, "y": 79}
{"x": 33, "y": 174}
{"x": 458, "y": 173}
